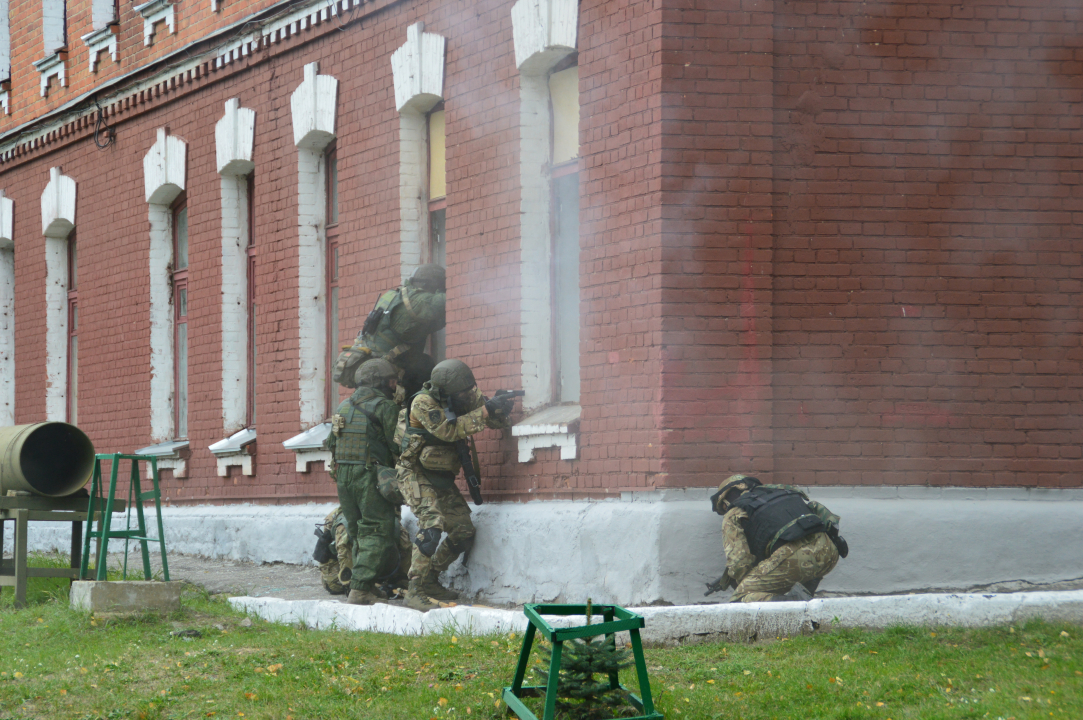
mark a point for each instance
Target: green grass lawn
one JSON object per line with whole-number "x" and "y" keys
{"x": 56, "y": 663}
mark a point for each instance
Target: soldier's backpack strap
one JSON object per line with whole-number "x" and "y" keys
{"x": 406, "y": 303}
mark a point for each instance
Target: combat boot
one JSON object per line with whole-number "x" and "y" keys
{"x": 431, "y": 586}
{"x": 367, "y": 594}
{"x": 416, "y": 597}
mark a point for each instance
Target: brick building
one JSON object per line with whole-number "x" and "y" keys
{"x": 836, "y": 245}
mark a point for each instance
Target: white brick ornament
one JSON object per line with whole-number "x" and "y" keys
{"x": 57, "y": 222}
{"x": 7, "y": 312}
{"x": 54, "y": 65}
{"x": 99, "y": 41}
{"x": 164, "y": 179}
{"x": 154, "y": 12}
{"x": 543, "y": 30}
{"x": 418, "y": 70}
{"x": 234, "y": 135}
{"x": 313, "y": 109}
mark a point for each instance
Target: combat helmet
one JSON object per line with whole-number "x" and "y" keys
{"x": 429, "y": 277}
{"x": 450, "y": 377}
{"x": 741, "y": 483}
{"x": 375, "y": 373}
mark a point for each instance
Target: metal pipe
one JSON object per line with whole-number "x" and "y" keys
{"x": 53, "y": 459}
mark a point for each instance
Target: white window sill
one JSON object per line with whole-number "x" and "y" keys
{"x": 235, "y": 451}
{"x": 154, "y": 12}
{"x": 556, "y": 426}
{"x": 53, "y": 66}
{"x": 309, "y": 447}
{"x": 172, "y": 455}
{"x": 101, "y": 41}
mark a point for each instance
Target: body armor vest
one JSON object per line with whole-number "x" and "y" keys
{"x": 418, "y": 444}
{"x": 360, "y": 441}
{"x": 776, "y": 516}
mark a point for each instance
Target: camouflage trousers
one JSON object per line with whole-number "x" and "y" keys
{"x": 370, "y": 522}
{"x": 436, "y": 505}
{"x": 810, "y": 557}
{"x": 330, "y": 570}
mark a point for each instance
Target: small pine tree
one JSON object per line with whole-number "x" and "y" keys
{"x": 583, "y": 691}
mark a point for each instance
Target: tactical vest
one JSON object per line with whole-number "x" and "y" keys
{"x": 422, "y": 448}
{"x": 360, "y": 440}
{"x": 776, "y": 516}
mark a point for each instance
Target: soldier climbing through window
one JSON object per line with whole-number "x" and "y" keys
{"x": 397, "y": 328}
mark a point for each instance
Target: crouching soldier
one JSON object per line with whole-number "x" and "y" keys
{"x": 333, "y": 553}
{"x": 447, "y": 411}
{"x": 361, "y": 442}
{"x": 774, "y": 538}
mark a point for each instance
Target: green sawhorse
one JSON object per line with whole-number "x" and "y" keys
{"x": 136, "y": 497}
{"x": 615, "y": 619}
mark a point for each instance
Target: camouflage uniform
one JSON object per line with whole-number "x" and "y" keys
{"x": 411, "y": 315}
{"x": 428, "y": 467}
{"x": 803, "y": 560}
{"x": 361, "y": 441}
{"x": 330, "y": 570}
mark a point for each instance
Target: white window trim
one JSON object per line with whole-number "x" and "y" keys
{"x": 7, "y": 311}
{"x": 312, "y": 107}
{"x": 164, "y": 178}
{"x": 418, "y": 72}
{"x": 234, "y": 138}
{"x": 235, "y": 451}
{"x": 545, "y": 33}
{"x": 171, "y": 455}
{"x": 309, "y": 446}
{"x": 57, "y": 222}
{"x": 5, "y": 40}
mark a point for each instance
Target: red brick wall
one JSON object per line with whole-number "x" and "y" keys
{"x": 763, "y": 193}
{"x": 928, "y": 258}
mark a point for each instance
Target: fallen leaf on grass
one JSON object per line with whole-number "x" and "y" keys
{"x": 250, "y": 696}
{"x": 273, "y": 669}
{"x": 442, "y": 702}
{"x": 1064, "y": 633}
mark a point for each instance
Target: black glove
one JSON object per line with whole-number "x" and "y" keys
{"x": 500, "y": 407}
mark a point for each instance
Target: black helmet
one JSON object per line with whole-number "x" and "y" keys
{"x": 429, "y": 277}
{"x": 739, "y": 483}
{"x": 450, "y": 377}
{"x": 375, "y": 373}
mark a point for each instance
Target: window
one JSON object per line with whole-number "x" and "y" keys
{"x": 73, "y": 331}
{"x": 333, "y": 348}
{"x": 5, "y": 40}
{"x": 564, "y": 173}
{"x": 180, "y": 318}
{"x": 54, "y": 18}
{"x": 250, "y": 251}
{"x": 437, "y": 197}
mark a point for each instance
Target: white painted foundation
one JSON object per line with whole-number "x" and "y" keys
{"x": 643, "y": 548}
{"x": 741, "y": 622}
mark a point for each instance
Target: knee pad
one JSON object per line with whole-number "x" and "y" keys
{"x": 427, "y": 540}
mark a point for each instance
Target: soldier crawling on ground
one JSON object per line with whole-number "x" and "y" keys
{"x": 778, "y": 543}
{"x": 396, "y": 330}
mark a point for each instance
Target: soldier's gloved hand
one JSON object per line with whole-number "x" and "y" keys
{"x": 499, "y": 407}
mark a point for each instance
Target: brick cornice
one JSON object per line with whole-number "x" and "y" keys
{"x": 281, "y": 32}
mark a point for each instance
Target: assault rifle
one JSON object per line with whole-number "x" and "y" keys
{"x": 721, "y": 584}
{"x": 465, "y": 451}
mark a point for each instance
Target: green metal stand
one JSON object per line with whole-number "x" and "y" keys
{"x": 136, "y": 498}
{"x": 615, "y": 619}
